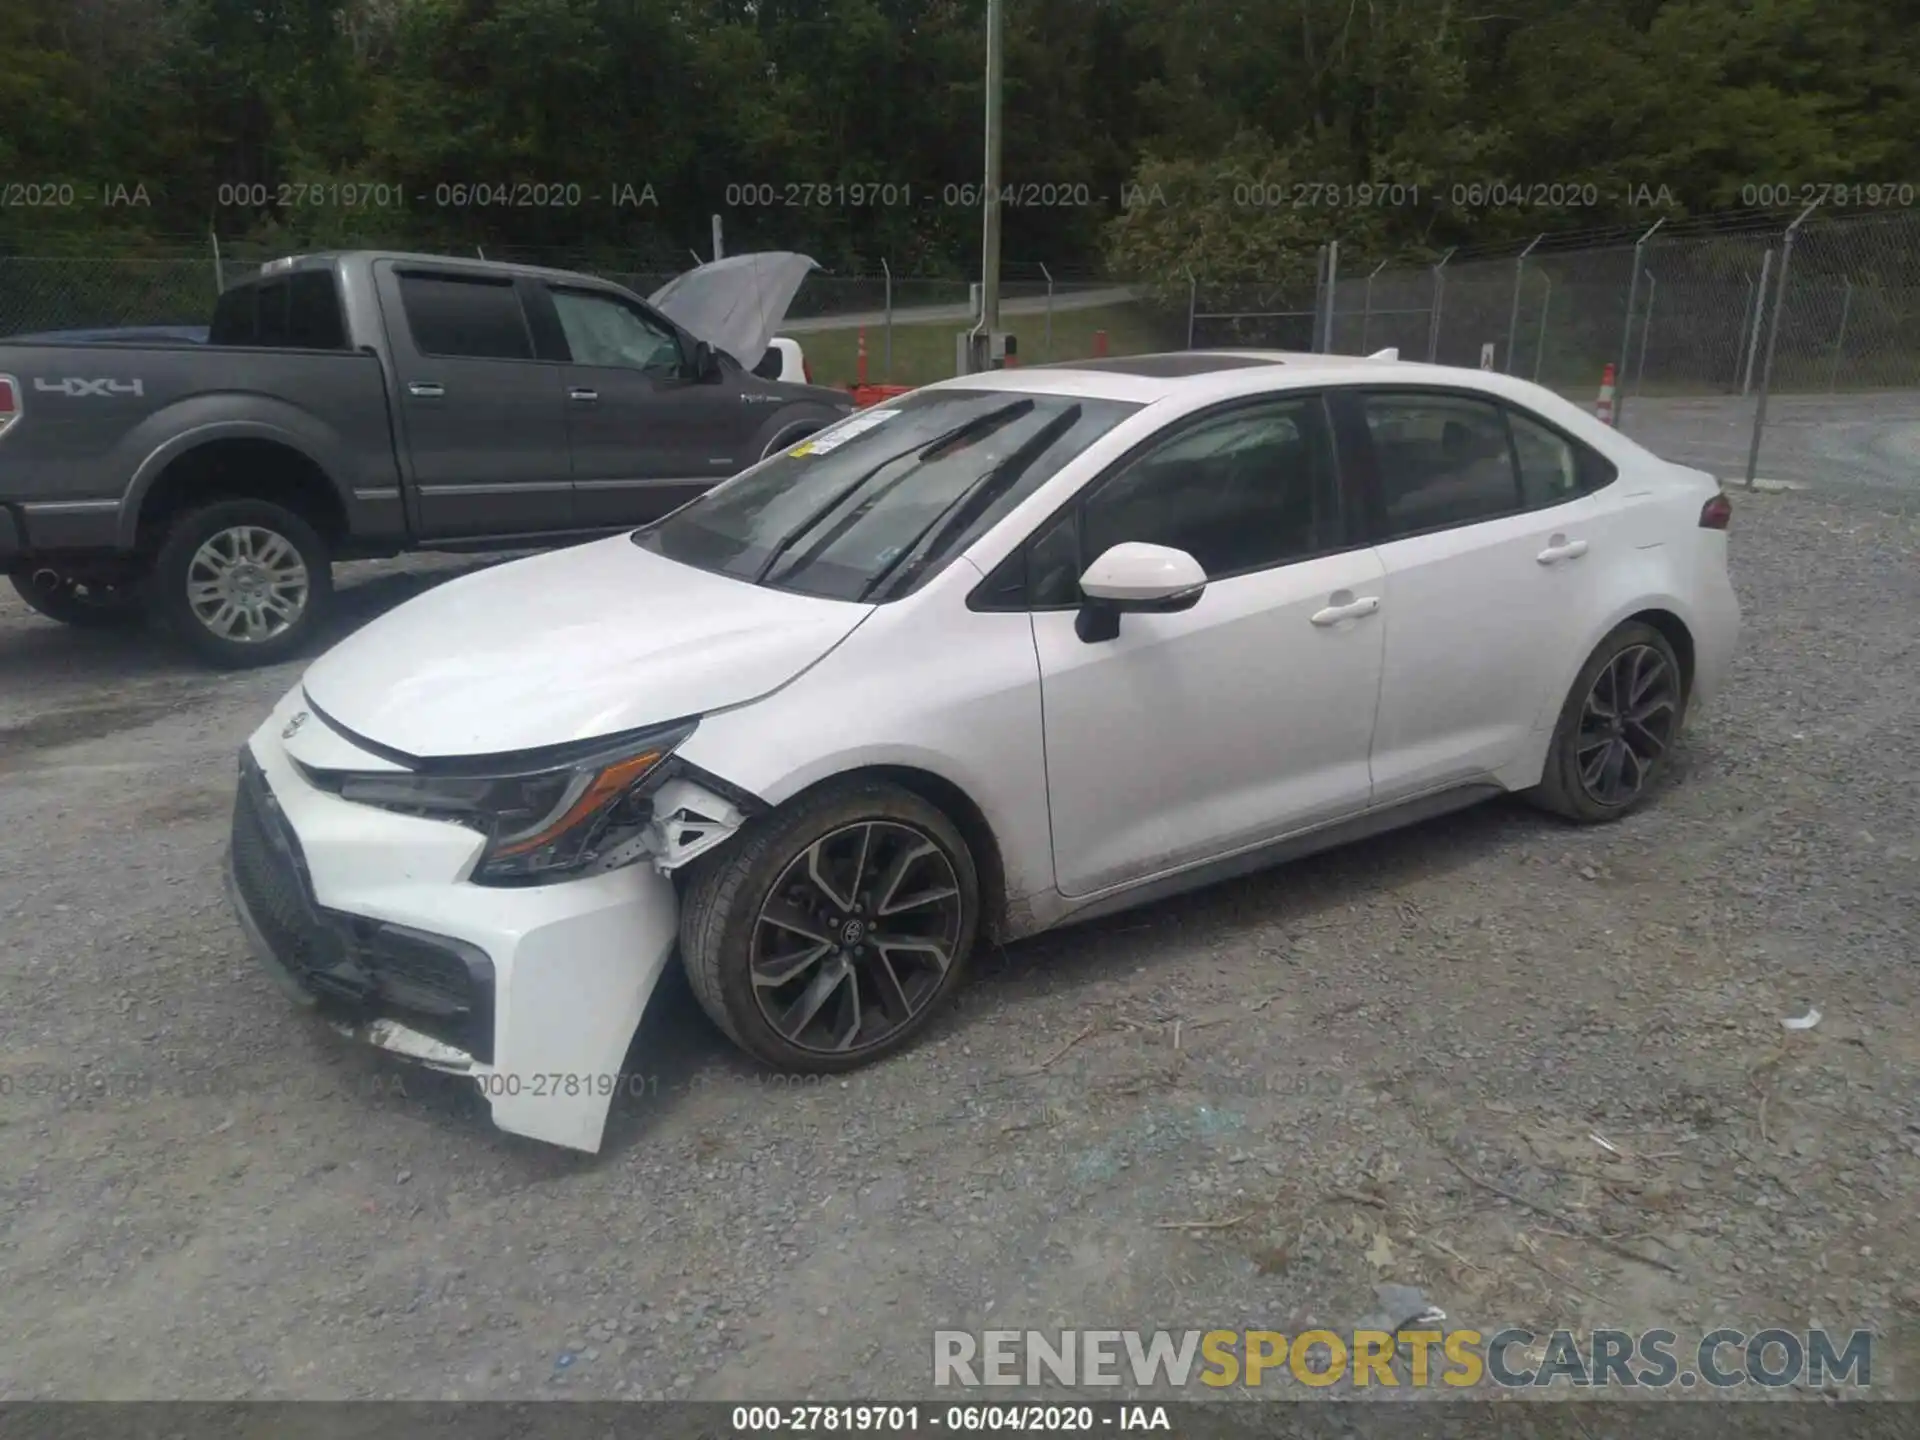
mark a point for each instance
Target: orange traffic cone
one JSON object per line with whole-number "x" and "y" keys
{"x": 1604, "y": 406}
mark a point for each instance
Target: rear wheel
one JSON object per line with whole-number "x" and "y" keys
{"x": 830, "y": 933}
{"x": 1617, "y": 729}
{"x": 80, "y": 601}
{"x": 243, "y": 582}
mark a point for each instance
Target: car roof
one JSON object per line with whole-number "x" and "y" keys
{"x": 1200, "y": 375}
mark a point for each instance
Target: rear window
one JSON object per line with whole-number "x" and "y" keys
{"x": 467, "y": 316}
{"x": 314, "y": 321}
{"x": 300, "y": 311}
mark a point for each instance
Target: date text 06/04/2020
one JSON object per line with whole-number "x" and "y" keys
{"x": 914, "y": 1419}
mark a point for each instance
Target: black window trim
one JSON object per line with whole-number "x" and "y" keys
{"x": 549, "y": 288}
{"x": 1347, "y": 526}
{"x": 1351, "y": 399}
{"x": 402, "y": 273}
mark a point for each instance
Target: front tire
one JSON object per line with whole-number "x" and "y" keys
{"x": 242, "y": 582}
{"x": 82, "y": 603}
{"x": 1616, "y": 732}
{"x": 831, "y": 932}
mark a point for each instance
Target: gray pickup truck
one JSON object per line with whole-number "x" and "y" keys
{"x": 354, "y": 406}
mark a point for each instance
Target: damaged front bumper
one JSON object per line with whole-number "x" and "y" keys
{"x": 534, "y": 993}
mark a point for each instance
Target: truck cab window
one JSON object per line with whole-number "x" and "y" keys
{"x": 458, "y": 316}
{"x": 600, "y": 330}
{"x": 236, "y": 316}
{"x": 314, "y": 321}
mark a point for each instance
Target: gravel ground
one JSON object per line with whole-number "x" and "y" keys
{"x": 1329, "y": 1067}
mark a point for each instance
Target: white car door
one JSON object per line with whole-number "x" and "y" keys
{"x": 1492, "y": 554}
{"x": 1195, "y": 734}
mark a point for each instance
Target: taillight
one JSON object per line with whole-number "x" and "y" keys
{"x": 806, "y": 369}
{"x": 9, "y": 402}
{"x": 1717, "y": 513}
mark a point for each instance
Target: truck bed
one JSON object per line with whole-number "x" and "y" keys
{"x": 94, "y": 414}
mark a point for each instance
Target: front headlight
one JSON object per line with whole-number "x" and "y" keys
{"x": 544, "y": 817}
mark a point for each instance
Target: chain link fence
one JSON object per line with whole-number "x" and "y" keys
{"x": 1760, "y": 347}
{"x": 1752, "y": 346}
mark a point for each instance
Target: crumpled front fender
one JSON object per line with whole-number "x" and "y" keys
{"x": 568, "y": 1006}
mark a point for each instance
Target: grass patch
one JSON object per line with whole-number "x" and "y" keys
{"x": 924, "y": 353}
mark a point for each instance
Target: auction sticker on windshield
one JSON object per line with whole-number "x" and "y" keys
{"x": 832, "y": 438}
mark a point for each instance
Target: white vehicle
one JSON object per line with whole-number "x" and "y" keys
{"x": 1015, "y": 650}
{"x": 784, "y": 360}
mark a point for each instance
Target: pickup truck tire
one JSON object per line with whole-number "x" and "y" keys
{"x": 242, "y": 582}
{"x": 83, "y": 604}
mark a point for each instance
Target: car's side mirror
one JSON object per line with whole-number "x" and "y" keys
{"x": 706, "y": 364}
{"x": 1136, "y": 577}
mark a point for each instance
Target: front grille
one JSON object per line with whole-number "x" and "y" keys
{"x": 271, "y": 875}
{"x": 358, "y": 968}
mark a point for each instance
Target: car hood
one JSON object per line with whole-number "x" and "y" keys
{"x": 567, "y": 646}
{"x": 737, "y": 303}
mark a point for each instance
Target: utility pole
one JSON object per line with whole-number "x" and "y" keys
{"x": 990, "y": 239}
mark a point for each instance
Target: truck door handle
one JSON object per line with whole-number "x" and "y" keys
{"x": 1351, "y": 610}
{"x": 583, "y": 395}
{"x": 1560, "y": 548}
{"x": 426, "y": 389}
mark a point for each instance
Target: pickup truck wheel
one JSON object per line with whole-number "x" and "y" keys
{"x": 83, "y": 604}
{"x": 243, "y": 582}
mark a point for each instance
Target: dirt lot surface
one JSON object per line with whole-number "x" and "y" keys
{"x": 1246, "y": 1108}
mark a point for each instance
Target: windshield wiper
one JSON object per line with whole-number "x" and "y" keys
{"x": 966, "y": 430}
{"x": 967, "y": 506}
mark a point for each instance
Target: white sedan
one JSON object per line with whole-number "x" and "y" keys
{"x": 1015, "y": 650}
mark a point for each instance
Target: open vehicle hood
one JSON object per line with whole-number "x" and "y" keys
{"x": 737, "y": 303}
{"x": 569, "y": 645}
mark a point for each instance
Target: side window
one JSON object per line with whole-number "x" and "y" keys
{"x": 1549, "y": 469}
{"x": 1053, "y": 565}
{"x": 313, "y": 311}
{"x": 602, "y": 331}
{"x": 1554, "y": 469}
{"x": 1443, "y": 460}
{"x": 458, "y": 316}
{"x": 1239, "y": 492}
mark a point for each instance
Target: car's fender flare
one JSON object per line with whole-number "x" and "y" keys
{"x": 1571, "y": 663}
{"x": 315, "y": 448}
{"x": 1021, "y": 902}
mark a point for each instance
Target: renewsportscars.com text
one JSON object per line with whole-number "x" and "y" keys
{"x": 1721, "y": 1359}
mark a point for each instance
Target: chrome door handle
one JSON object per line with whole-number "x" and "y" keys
{"x": 426, "y": 389}
{"x": 583, "y": 395}
{"x": 1353, "y": 610}
{"x": 1560, "y": 548}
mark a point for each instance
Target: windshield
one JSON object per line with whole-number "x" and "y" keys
{"x": 871, "y": 506}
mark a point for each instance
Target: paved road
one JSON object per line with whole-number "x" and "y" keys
{"x": 933, "y": 314}
{"x": 1865, "y": 442}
